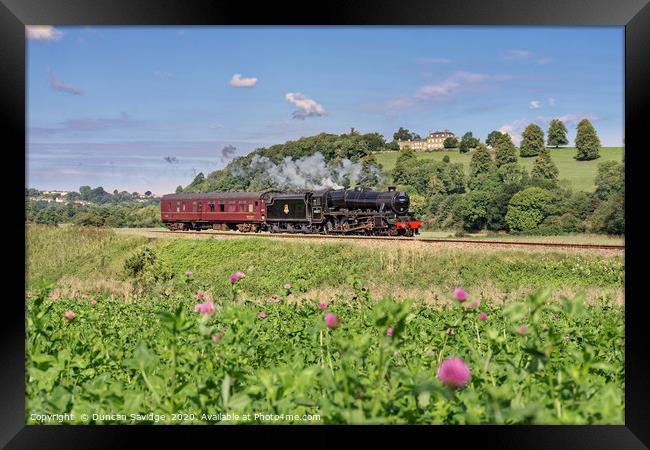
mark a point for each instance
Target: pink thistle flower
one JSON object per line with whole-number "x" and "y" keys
{"x": 389, "y": 332}
{"x": 69, "y": 314}
{"x": 286, "y": 286}
{"x": 322, "y": 305}
{"x": 200, "y": 295}
{"x": 188, "y": 273}
{"x": 460, "y": 294}
{"x": 522, "y": 329}
{"x": 261, "y": 315}
{"x": 216, "y": 337}
{"x": 454, "y": 372}
{"x": 473, "y": 304}
{"x": 205, "y": 308}
{"x": 331, "y": 320}
{"x": 482, "y": 316}
{"x": 235, "y": 277}
{"x": 93, "y": 302}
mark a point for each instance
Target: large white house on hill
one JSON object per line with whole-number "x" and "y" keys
{"x": 433, "y": 141}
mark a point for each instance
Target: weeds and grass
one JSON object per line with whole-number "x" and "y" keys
{"x": 144, "y": 348}
{"x": 530, "y": 362}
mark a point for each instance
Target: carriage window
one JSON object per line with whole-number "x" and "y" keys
{"x": 211, "y": 206}
{"x": 170, "y": 206}
{"x": 250, "y": 207}
{"x": 183, "y": 206}
{"x": 221, "y": 207}
{"x": 194, "y": 206}
{"x": 178, "y": 206}
{"x": 317, "y": 201}
{"x": 256, "y": 205}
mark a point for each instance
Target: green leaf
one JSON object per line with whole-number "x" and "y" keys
{"x": 225, "y": 390}
{"x": 142, "y": 358}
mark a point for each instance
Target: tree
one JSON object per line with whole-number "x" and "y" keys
{"x": 392, "y": 146}
{"x": 90, "y": 219}
{"x": 493, "y": 138}
{"x": 84, "y": 191}
{"x": 179, "y": 189}
{"x": 532, "y": 141}
{"x": 473, "y": 209}
{"x": 147, "y": 194}
{"x": 610, "y": 179}
{"x": 98, "y": 195}
{"x": 481, "y": 161}
{"x": 450, "y": 142}
{"x": 370, "y": 172}
{"x": 405, "y": 135}
{"x": 468, "y": 142}
{"x": 444, "y": 178}
{"x": 528, "y": 208}
{"x": 505, "y": 151}
{"x": 445, "y": 159}
{"x": 405, "y": 155}
{"x": 544, "y": 167}
{"x": 418, "y": 204}
{"x": 557, "y": 133}
{"x": 609, "y": 217}
{"x": 512, "y": 173}
{"x": 587, "y": 142}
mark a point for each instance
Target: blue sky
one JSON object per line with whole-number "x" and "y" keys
{"x": 146, "y": 108}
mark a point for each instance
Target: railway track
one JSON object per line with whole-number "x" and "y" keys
{"x": 559, "y": 245}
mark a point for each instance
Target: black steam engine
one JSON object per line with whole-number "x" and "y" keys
{"x": 329, "y": 211}
{"x": 351, "y": 211}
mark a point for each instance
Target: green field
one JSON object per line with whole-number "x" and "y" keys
{"x": 116, "y": 334}
{"x": 580, "y": 174}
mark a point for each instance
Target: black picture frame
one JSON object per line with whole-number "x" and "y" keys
{"x": 634, "y": 15}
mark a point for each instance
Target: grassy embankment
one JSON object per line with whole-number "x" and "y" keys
{"x": 91, "y": 260}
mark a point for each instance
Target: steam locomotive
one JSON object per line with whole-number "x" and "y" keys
{"x": 328, "y": 211}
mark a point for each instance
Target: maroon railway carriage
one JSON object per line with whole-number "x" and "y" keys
{"x": 243, "y": 211}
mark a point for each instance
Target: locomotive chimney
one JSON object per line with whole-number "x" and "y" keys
{"x": 391, "y": 188}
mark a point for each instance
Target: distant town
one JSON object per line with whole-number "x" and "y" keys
{"x": 88, "y": 196}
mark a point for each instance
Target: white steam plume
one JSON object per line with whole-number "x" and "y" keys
{"x": 307, "y": 172}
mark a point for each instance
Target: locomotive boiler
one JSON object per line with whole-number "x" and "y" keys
{"x": 327, "y": 211}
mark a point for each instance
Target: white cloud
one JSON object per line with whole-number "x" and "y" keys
{"x": 60, "y": 86}
{"x": 164, "y": 74}
{"x": 238, "y": 81}
{"x": 43, "y": 33}
{"x": 306, "y": 106}
{"x": 439, "y": 90}
{"x": 552, "y": 101}
{"x": 215, "y": 126}
{"x": 517, "y": 54}
{"x": 456, "y": 83}
{"x": 514, "y": 129}
{"x": 535, "y": 104}
{"x": 543, "y": 61}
